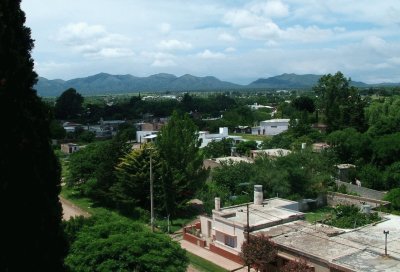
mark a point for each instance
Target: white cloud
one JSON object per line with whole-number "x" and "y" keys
{"x": 274, "y": 8}
{"x": 174, "y": 45}
{"x": 267, "y": 30}
{"x": 94, "y": 40}
{"x": 207, "y": 54}
{"x": 165, "y": 28}
{"x": 226, "y": 37}
{"x": 163, "y": 63}
{"x": 230, "y": 49}
{"x": 111, "y": 53}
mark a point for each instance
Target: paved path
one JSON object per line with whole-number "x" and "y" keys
{"x": 211, "y": 256}
{"x": 70, "y": 210}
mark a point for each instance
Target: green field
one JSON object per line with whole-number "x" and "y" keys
{"x": 203, "y": 265}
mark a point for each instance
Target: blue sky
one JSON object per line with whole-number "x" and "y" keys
{"x": 237, "y": 41}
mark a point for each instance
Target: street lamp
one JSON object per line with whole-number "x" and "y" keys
{"x": 386, "y": 232}
{"x": 151, "y": 192}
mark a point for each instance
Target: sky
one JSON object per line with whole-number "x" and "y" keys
{"x": 233, "y": 40}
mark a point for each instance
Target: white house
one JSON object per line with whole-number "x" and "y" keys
{"x": 207, "y": 138}
{"x": 271, "y": 127}
{"x": 226, "y": 229}
{"x": 146, "y": 136}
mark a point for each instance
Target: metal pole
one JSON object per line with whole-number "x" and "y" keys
{"x": 386, "y": 232}
{"x": 248, "y": 232}
{"x": 151, "y": 195}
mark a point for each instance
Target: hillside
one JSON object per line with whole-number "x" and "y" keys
{"x": 104, "y": 83}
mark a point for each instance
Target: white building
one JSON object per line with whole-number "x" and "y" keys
{"x": 146, "y": 136}
{"x": 271, "y": 127}
{"x": 226, "y": 230}
{"x": 207, "y": 138}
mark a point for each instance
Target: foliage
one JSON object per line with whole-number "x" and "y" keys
{"x": 244, "y": 147}
{"x": 304, "y": 103}
{"x": 132, "y": 188}
{"x": 69, "y": 105}
{"x": 112, "y": 243}
{"x": 386, "y": 149}
{"x": 258, "y": 252}
{"x": 87, "y": 136}
{"x": 57, "y": 131}
{"x": 348, "y": 217}
{"x": 181, "y": 162}
{"x": 92, "y": 168}
{"x": 394, "y": 197}
{"x": 340, "y": 103}
{"x": 383, "y": 116}
{"x": 233, "y": 176}
{"x": 31, "y": 233}
{"x": 217, "y": 149}
{"x": 298, "y": 265}
{"x": 350, "y": 145}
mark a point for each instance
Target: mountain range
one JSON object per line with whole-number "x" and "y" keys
{"x": 104, "y": 83}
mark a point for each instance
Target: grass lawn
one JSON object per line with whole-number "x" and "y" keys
{"x": 203, "y": 265}
{"x": 319, "y": 214}
{"x": 252, "y": 137}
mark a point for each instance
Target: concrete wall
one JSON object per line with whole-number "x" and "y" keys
{"x": 273, "y": 128}
{"x": 362, "y": 191}
{"x": 334, "y": 199}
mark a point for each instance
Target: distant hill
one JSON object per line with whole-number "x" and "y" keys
{"x": 105, "y": 83}
{"x": 108, "y": 84}
{"x": 292, "y": 81}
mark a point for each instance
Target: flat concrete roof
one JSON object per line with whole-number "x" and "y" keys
{"x": 272, "y": 210}
{"x": 360, "y": 249}
{"x": 232, "y": 159}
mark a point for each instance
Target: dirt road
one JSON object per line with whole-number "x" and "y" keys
{"x": 70, "y": 210}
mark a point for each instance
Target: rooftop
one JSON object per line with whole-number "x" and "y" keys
{"x": 232, "y": 159}
{"x": 360, "y": 249}
{"x": 272, "y": 211}
{"x": 277, "y": 121}
{"x": 275, "y": 152}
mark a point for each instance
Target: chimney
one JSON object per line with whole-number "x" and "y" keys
{"x": 217, "y": 204}
{"x": 258, "y": 195}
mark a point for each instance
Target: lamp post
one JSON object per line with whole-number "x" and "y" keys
{"x": 386, "y": 232}
{"x": 151, "y": 192}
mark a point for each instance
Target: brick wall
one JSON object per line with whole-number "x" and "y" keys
{"x": 226, "y": 254}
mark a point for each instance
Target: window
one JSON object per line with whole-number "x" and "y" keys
{"x": 230, "y": 241}
{"x": 274, "y": 126}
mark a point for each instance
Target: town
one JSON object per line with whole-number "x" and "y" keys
{"x": 196, "y": 136}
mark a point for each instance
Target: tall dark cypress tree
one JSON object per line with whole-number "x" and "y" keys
{"x": 31, "y": 237}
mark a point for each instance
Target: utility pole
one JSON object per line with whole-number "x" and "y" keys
{"x": 151, "y": 194}
{"x": 248, "y": 231}
{"x": 386, "y": 232}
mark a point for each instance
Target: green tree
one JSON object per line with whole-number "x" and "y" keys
{"x": 69, "y": 105}
{"x": 92, "y": 168}
{"x": 31, "y": 234}
{"x": 132, "y": 189}
{"x": 394, "y": 197}
{"x": 341, "y": 103}
{"x": 57, "y": 131}
{"x": 178, "y": 146}
{"x": 244, "y": 147}
{"x": 112, "y": 243}
{"x": 217, "y": 149}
